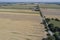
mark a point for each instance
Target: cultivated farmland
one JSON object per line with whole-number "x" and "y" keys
{"x": 21, "y": 22}
{"x": 21, "y": 26}
{"x": 51, "y": 13}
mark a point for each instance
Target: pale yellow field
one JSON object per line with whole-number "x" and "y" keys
{"x": 51, "y": 13}
{"x": 53, "y": 16}
{"x": 19, "y": 11}
{"x": 21, "y": 26}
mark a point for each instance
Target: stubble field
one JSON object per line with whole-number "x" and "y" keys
{"x": 21, "y": 26}
{"x": 51, "y": 13}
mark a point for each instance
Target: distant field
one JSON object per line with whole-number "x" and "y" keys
{"x": 53, "y": 6}
{"x": 25, "y": 8}
{"x": 28, "y": 6}
{"x": 19, "y": 11}
{"x": 18, "y": 6}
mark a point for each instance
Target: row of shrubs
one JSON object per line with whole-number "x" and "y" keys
{"x": 55, "y": 30}
{"x": 49, "y": 37}
{"x": 48, "y": 19}
{"x": 51, "y": 25}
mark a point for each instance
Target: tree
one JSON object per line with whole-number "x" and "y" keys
{"x": 57, "y": 19}
{"x": 51, "y": 26}
{"x": 57, "y": 35}
{"x": 47, "y": 20}
{"x": 50, "y": 38}
{"x": 56, "y": 28}
{"x": 44, "y": 39}
{"x": 52, "y": 18}
{"x": 37, "y": 8}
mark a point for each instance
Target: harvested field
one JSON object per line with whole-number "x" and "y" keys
{"x": 15, "y": 26}
{"x": 19, "y": 11}
{"x": 51, "y": 13}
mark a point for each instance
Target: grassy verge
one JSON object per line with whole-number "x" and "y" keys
{"x": 56, "y": 23}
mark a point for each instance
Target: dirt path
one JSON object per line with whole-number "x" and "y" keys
{"x": 21, "y": 27}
